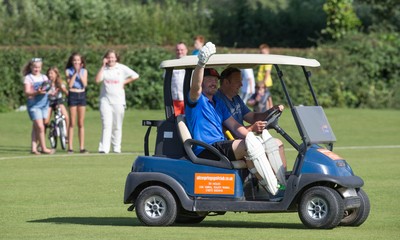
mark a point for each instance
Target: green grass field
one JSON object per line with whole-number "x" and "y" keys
{"x": 81, "y": 196}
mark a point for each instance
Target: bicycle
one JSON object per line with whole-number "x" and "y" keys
{"x": 58, "y": 128}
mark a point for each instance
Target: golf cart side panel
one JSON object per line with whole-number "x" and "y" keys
{"x": 317, "y": 160}
{"x": 184, "y": 172}
{"x": 224, "y": 205}
{"x": 135, "y": 181}
{"x": 305, "y": 180}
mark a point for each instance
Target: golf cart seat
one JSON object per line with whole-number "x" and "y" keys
{"x": 188, "y": 142}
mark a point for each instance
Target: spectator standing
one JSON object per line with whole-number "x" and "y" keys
{"x": 198, "y": 43}
{"x": 76, "y": 75}
{"x": 248, "y": 84}
{"x": 35, "y": 88}
{"x": 260, "y": 98}
{"x": 113, "y": 76}
{"x": 177, "y": 80}
{"x": 264, "y": 75}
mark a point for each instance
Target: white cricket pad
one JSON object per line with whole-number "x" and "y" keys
{"x": 256, "y": 154}
{"x": 271, "y": 148}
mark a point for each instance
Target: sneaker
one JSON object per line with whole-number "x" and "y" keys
{"x": 70, "y": 151}
{"x": 83, "y": 151}
{"x": 277, "y": 197}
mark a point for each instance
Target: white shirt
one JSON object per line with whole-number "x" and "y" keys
{"x": 248, "y": 81}
{"x": 178, "y": 76}
{"x": 113, "y": 83}
{"x": 35, "y": 81}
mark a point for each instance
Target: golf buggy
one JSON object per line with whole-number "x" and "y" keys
{"x": 175, "y": 186}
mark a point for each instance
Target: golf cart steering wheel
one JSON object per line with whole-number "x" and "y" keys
{"x": 272, "y": 119}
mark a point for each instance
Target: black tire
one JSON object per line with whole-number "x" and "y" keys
{"x": 356, "y": 217}
{"x": 52, "y": 135}
{"x": 156, "y": 206}
{"x": 321, "y": 207}
{"x": 187, "y": 217}
{"x": 62, "y": 126}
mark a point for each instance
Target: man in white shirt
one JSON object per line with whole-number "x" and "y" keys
{"x": 248, "y": 84}
{"x": 177, "y": 81}
{"x": 113, "y": 77}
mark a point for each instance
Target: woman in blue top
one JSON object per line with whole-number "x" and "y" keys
{"x": 35, "y": 88}
{"x": 76, "y": 76}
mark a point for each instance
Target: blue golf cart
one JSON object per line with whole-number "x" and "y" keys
{"x": 173, "y": 185}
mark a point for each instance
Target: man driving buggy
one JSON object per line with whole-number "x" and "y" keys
{"x": 230, "y": 84}
{"x": 205, "y": 116}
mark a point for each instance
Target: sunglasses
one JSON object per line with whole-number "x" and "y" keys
{"x": 36, "y": 60}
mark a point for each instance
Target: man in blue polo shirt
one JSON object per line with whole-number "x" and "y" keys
{"x": 230, "y": 84}
{"x": 205, "y": 115}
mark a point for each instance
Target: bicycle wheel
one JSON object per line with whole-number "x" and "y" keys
{"x": 62, "y": 127}
{"x": 52, "y": 135}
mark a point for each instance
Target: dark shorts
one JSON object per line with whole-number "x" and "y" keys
{"x": 77, "y": 99}
{"x": 55, "y": 102}
{"x": 224, "y": 147}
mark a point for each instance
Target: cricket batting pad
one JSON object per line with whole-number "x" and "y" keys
{"x": 271, "y": 148}
{"x": 257, "y": 155}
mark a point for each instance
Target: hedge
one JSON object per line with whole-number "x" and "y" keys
{"x": 358, "y": 72}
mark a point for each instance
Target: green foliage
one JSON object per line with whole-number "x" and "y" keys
{"x": 362, "y": 71}
{"x": 377, "y": 58}
{"x": 378, "y": 15}
{"x": 355, "y": 72}
{"x": 358, "y": 72}
{"x": 295, "y": 24}
{"x": 97, "y": 22}
{"x": 341, "y": 18}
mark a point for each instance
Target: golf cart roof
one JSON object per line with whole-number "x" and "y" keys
{"x": 240, "y": 61}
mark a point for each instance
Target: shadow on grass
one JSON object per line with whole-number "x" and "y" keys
{"x": 134, "y": 222}
{"x": 14, "y": 149}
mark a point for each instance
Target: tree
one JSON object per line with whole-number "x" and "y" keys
{"x": 341, "y": 18}
{"x": 382, "y": 15}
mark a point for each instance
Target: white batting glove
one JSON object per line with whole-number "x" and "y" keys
{"x": 205, "y": 53}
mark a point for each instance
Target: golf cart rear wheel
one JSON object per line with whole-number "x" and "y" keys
{"x": 156, "y": 206}
{"x": 321, "y": 207}
{"x": 356, "y": 217}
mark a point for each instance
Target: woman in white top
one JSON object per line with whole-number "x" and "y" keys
{"x": 113, "y": 76}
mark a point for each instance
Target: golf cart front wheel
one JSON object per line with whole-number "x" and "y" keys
{"x": 356, "y": 217}
{"x": 321, "y": 207}
{"x": 156, "y": 206}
